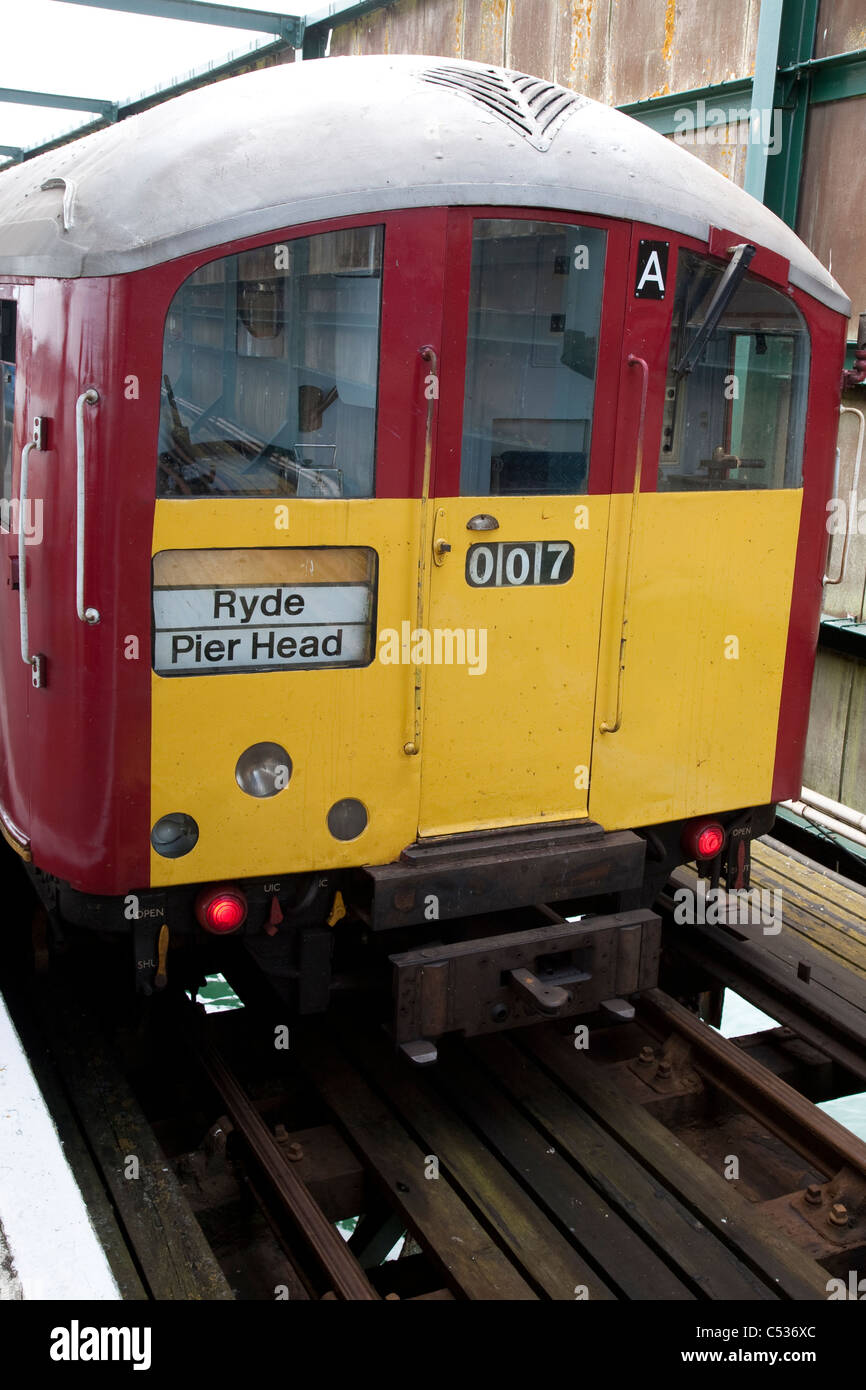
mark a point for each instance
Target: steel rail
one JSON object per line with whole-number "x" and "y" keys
{"x": 322, "y": 1238}
{"x": 794, "y": 1119}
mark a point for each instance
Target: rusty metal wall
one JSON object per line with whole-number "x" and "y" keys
{"x": 613, "y": 50}
{"x": 832, "y": 205}
{"x": 724, "y": 148}
{"x": 841, "y": 27}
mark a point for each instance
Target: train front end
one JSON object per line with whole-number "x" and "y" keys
{"x": 433, "y": 534}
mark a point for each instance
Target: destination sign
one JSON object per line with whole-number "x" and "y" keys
{"x": 253, "y": 627}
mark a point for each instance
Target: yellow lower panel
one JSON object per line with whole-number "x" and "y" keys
{"x": 707, "y": 633}
{"x": 344, "y": 729}
{"x": 512, "y": 745}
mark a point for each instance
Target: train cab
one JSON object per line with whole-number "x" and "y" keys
{"x": 416, "y": 479}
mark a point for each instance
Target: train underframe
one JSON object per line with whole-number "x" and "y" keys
{"x": 470, "y": 933}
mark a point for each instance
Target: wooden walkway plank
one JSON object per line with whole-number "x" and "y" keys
{"x": 635, "y": 1270}
{"x": 433, "y": 1211}
{"x": 735, "y": 1220}
{"x": 810, "y": 881}
{"x": 829, "y": 970}
{"x": 551, "y": 1262}
{"x": 832, "y": 931}
{"x": 664, "y": 1221}
{"x": 822, "y": 919}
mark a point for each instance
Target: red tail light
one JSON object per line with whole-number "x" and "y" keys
{"x": 703, "y": 839}
{"x": 221, "y": 910}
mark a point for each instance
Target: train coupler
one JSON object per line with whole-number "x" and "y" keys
{"x": 490, "y": 984}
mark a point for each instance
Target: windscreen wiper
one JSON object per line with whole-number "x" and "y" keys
{"x": 725, "y": 291}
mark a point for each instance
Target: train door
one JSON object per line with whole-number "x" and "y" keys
{"x": 701, "y": 555}
{"x": 17, "y": 530}
{"x": 517, "y": 521}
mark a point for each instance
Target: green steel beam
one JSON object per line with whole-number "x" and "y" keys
{"x": 22, "y": 97}
{"x": 763, "y": 92}
{"x": 792, "y": 97}
{"x": 846, "y": 636}
{"x": 780, "y": 93}
{"x": 315, "y": 41}
{"x": 835, "y": 77}
{"x": 290, "y": 28}
{"x": 211, "y": 73}
{"x": 831, "y": 79}
{"x": 337, "y": 13}
{"x": 665, "y": 114}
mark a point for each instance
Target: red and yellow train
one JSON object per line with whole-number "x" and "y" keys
{"x": 415, "y": 479}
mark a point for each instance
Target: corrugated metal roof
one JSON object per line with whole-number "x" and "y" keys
{"x": 301, "y": 142}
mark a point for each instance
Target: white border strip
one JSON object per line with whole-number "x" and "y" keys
{"x": 53, "y": 1247}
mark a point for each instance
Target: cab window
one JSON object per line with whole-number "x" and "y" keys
{"x": 270, "y": 371}
{"x": 736, "y": 421}
{"x": 534, "y": 312}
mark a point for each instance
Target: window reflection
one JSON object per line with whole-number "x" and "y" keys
{"x": 270, "y": 372}
{"x": 736, "y": 421}
{"x": 534, "y": 312}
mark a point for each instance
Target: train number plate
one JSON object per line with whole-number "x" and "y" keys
{"x": 516, "y": 564}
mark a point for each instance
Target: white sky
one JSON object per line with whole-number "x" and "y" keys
{"x": 75, "y": 50}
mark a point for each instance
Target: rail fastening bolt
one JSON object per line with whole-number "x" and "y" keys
{"x": 647, "y": 1055}
{"x": 663, "y": 1069}
{"x": 294, "y": 1152}
{"x": 838, "y": 1215}
{"x": 814, "y": 1195}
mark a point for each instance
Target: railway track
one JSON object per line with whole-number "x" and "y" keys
{"x": 657, "y": 1161}
{"x": 819, "y": 996}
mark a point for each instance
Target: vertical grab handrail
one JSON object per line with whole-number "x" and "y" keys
{"x": 89, "y": 397}
{"x": 633, "y": 361}
{"x": 24, "y": 617}
{"x": 852, "y": 500}
{"x": 427, "y": 354}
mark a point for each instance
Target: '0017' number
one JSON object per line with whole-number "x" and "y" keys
{"x": 515, "y": 563}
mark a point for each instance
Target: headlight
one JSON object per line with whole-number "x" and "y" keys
{"x": 263, "y": 770}
{"x": 174, "y": 835}
{"x": 347, "y": 819}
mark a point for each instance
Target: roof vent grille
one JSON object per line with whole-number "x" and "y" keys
{"x": 534, "y": 108}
